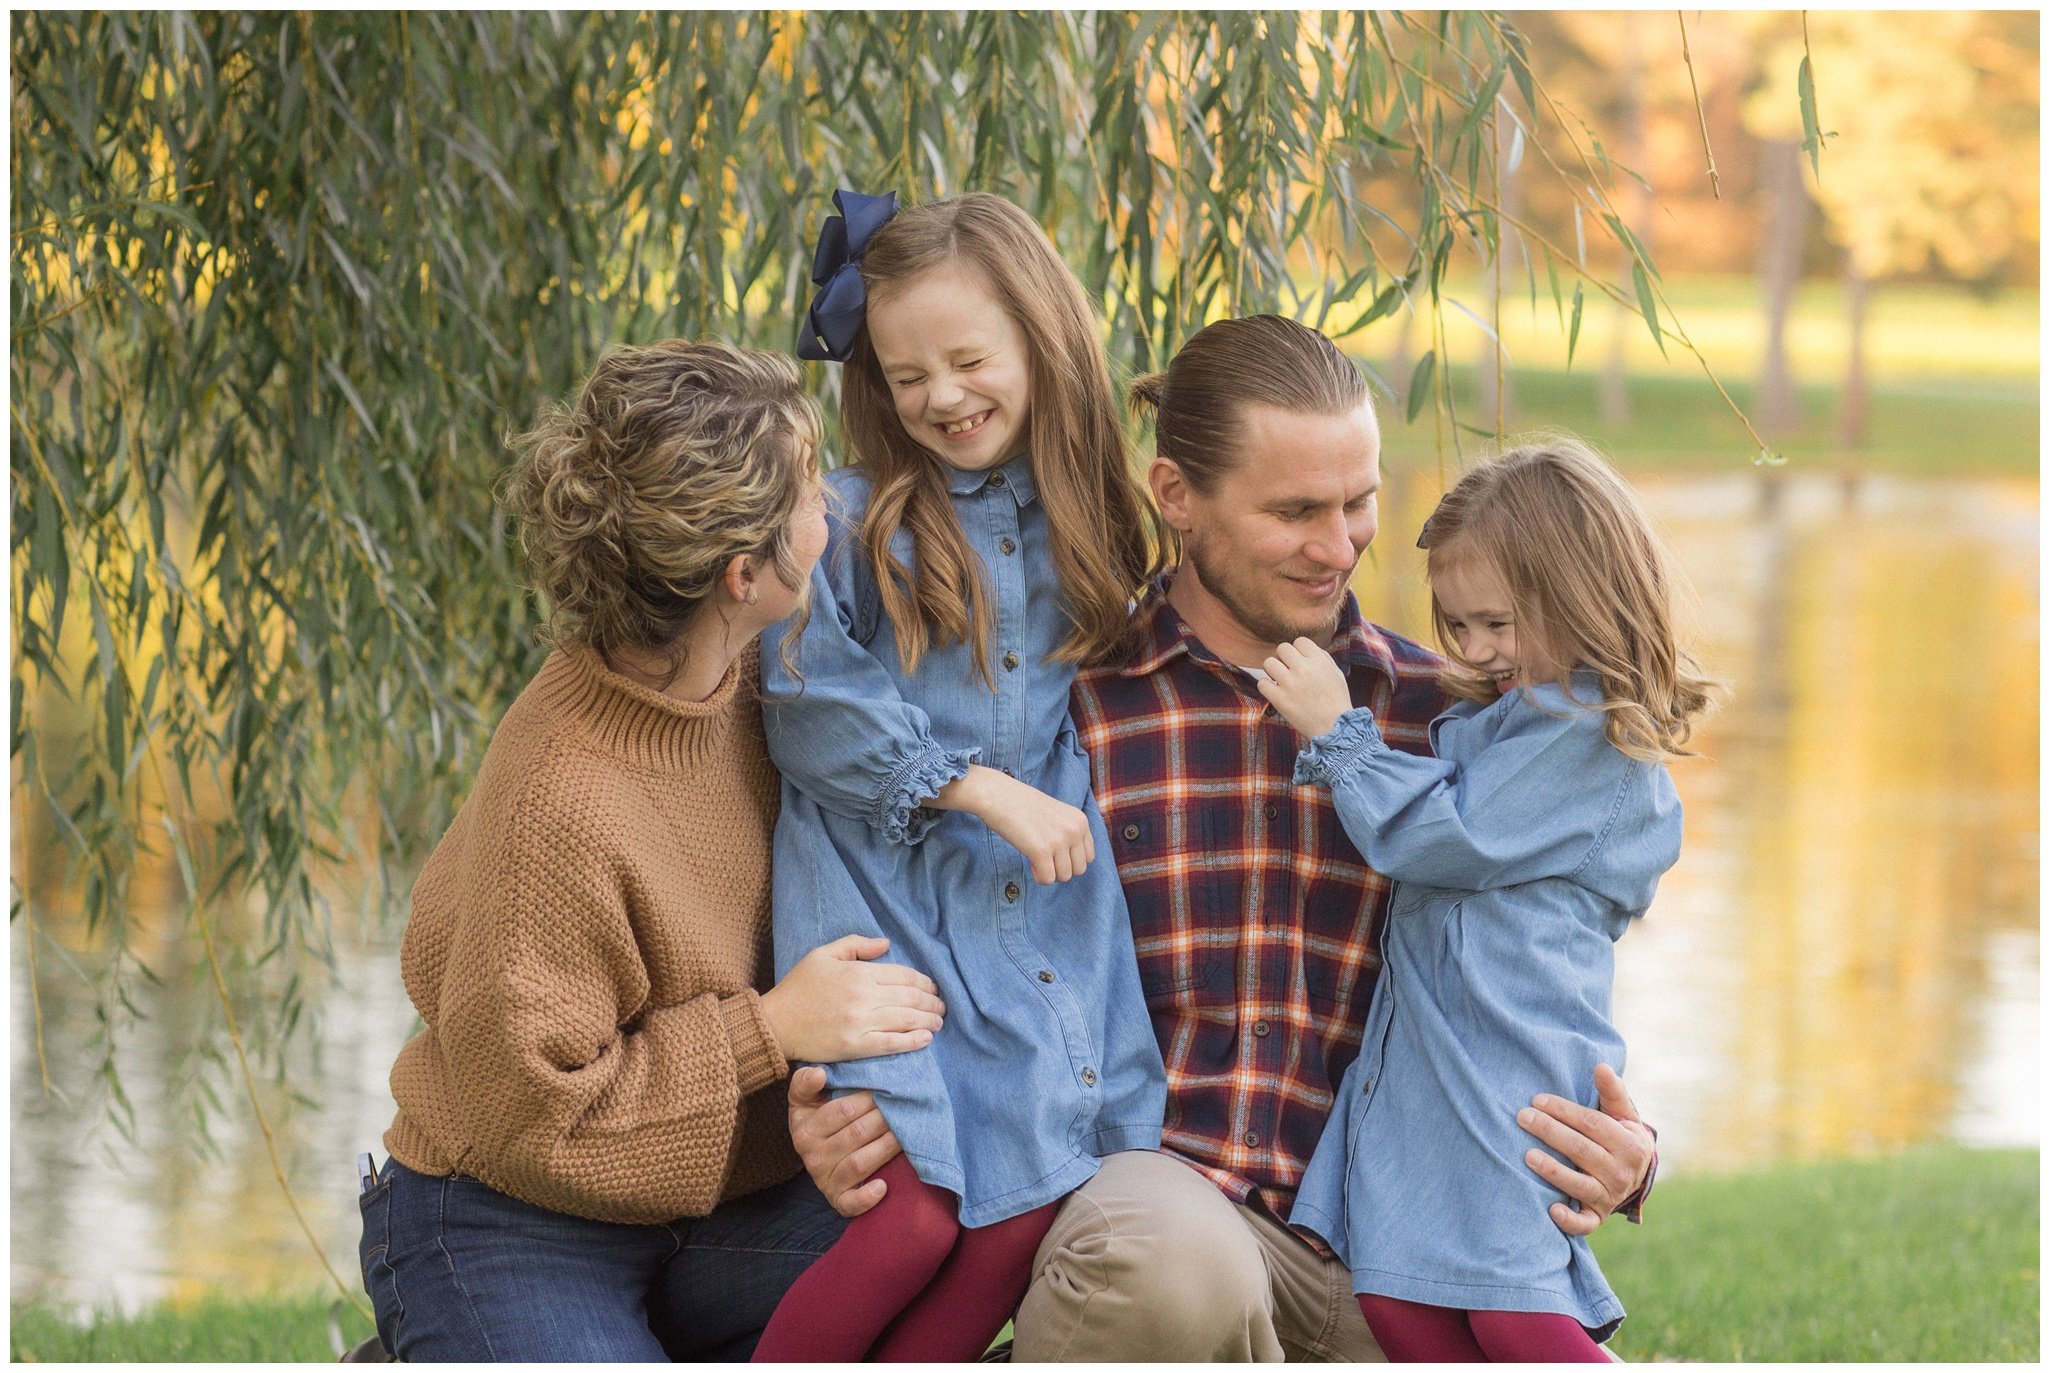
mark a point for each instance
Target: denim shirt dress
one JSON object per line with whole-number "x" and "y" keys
{"x": 1521, "y": 852}
{"x": 1047, "y": 1060}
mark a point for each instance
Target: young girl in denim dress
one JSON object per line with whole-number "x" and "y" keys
{"x": 1521, "y": 852}
{"x": 985, "y": 545}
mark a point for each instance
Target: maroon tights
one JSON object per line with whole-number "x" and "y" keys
{"x": 1410, "y": 1332}
{"x": 907, "y": 1282}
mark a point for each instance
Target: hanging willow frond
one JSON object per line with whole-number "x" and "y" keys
{"x": 281, "y": 282}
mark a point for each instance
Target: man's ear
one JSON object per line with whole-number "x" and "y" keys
{"x": 738, "y": 580}
{"x": 1171, "y": 493}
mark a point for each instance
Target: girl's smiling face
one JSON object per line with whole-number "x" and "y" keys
{"x": 955, "y": 362}
{"x": 1476, "y": 608}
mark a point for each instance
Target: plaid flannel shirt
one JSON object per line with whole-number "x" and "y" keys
{"x": 1255, "y": 918}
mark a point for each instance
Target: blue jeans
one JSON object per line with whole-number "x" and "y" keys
{"x": 458, "y": 1271}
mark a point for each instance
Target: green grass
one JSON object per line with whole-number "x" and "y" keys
{"x": 1926, "y": 1256}
{"x": 215, "y": 1327}
{"x": 1912, "y": 330}
{"x": 1953, "y": 378}
{"x": 1952, "y": 426}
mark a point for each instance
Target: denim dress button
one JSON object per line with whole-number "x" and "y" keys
{"x": 1010, "y": 891}
{"x": 1045, "y": 975}
{"x": 1088, "y": 1077}
{"x": 1010, "y": 662}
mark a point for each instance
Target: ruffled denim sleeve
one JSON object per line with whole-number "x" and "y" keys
{"x": 838, "y": 728}
{"x": 1537, "y": 801}
{"x": 1331, "y": 756}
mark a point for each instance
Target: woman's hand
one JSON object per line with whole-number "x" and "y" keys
{"x": 1307, "y": 687}
{"x": 834, "y": 1005}
{"x": 1054, "y": 836}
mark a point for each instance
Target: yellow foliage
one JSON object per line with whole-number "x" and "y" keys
{"x": 1933, "y": 162}
{"x": 788, "y": 34}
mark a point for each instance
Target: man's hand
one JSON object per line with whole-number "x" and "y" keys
{"x": 1307, "y": 687}
{"x": 835, "y": 1005}
{"x": 842, "y": 1142}
{"x": 1610, "y": 1148}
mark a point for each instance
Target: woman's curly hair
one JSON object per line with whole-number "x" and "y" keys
{"x": 675, "y": 457}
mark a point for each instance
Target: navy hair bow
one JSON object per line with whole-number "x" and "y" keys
{"x": 836, "y": 310}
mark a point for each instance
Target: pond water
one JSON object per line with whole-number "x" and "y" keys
{"x": 1845, "y": 960}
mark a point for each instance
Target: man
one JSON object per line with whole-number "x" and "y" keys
{"x": 1254, "y": 917}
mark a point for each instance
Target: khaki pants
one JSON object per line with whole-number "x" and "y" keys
{"x": 1149, "y": 1262}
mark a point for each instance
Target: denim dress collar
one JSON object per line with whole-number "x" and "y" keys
{"x": 1014, "y": 476}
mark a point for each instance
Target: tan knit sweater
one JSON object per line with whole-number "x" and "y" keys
{"x": 585, "y": 945}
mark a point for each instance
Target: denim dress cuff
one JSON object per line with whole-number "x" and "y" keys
{"x": 900, "y": 811}
{"x": 1329, "y": 757}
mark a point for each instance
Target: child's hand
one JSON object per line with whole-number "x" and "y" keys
{"x": 1053, "y": 835}
{"x": 1307, "y": 687}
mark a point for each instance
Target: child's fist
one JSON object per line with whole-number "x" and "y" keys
{"x": 1307, "y": 687}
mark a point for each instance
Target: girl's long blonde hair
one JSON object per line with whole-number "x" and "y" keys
{"x": 1590, "y": 585}
{"x": 1098, "y": 519}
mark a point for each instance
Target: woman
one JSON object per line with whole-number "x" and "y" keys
{"x": 590, "y": 1159}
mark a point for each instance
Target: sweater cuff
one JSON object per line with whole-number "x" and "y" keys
{"x": 1330, "y": 756}
{"x": 757, "y": 1061}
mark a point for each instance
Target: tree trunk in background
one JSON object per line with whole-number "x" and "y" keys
{"x": 1852, "y": 405}
{"x": 1779, "y": 266}
{"x": 1613, "y": 392}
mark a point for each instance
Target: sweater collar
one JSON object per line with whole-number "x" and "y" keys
{"x": 637, "y": 724}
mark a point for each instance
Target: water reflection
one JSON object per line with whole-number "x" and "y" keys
{"x": 96, "y": 1219}
{"x": 1845, "y": 959}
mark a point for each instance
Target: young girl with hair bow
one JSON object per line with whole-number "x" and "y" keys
{"x": 987, "y": 543}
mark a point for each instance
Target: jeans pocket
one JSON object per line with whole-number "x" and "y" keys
{"x": 380, "y": 1283}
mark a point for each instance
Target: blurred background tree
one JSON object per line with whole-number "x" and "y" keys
{"x": 1930, "y": 178}
{"x": 282, "y": 282}
{"x": 1941, "y": 177}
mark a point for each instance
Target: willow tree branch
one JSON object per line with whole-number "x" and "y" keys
{"x": 1715, "y": 182}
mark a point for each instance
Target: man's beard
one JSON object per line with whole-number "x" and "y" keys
{"x": 1260, "y": 623}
